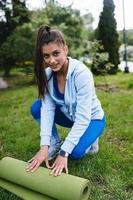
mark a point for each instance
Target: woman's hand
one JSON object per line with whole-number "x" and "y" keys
{"x": 35, "y": 162}
{"x": 59, "y": 164}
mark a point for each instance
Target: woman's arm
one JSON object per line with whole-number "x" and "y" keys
{"x": 47, "y": 119}
{"x": 84, "y": 94}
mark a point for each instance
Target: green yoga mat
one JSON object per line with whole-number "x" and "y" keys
{"x": 26, "y": 184}
{"x": 22, "y": 192}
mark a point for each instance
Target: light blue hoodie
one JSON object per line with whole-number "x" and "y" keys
{"x": 80, "y": 104}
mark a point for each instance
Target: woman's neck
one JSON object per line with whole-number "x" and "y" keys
{"x": 64, "y": 69}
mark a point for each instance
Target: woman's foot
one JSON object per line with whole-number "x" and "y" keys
{"x": 94, "y": 147}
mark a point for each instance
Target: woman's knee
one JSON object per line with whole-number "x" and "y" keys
{"x": 35, "y": 109}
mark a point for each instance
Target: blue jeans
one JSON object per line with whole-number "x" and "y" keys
{"x": 94, "y": 130}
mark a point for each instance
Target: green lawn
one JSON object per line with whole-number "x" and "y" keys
{"x": 111, "y": 170}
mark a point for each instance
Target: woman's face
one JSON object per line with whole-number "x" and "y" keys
{"x": 55, "y": 55}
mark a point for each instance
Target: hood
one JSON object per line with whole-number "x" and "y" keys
{"x": 71, "y": 66}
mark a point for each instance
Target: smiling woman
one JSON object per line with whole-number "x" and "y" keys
{"x": 55, "y": 55}
{"x": 66, "y": 97}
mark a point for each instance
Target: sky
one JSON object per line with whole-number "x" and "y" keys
{"x": 95, "y": 7}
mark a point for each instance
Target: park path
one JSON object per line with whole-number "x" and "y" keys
{"x": 3, "y": 84}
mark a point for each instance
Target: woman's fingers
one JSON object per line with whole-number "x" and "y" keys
{"x": 31, "y": 165}
{"x": 58, "y": 166}
{"x": 47, "y": 164}
{"x": 54, "y": 170}
{"x": 36, "y": 161}
{"x": 35, "y": 167}
{"x": 30, "y": 160}
{"x": 66, "y": 170}
{"x": 57, "y": 170}
{"x": 54, "y": 164}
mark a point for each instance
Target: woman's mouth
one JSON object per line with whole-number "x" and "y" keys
{"x": 54, "y": 66}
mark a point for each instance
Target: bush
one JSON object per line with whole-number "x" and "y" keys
{"x": 100, "y": 64}
{"x": 18, "y": 48}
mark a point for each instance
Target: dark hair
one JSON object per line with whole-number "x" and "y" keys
{"x": 45, "y": 35}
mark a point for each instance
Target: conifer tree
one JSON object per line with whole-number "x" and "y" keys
{"x": 13, "y": 14}
{"x": 107, "y": 34}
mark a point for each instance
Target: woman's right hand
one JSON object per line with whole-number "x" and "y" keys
{"x": 35, "y": 162}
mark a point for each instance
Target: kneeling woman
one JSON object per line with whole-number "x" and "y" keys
{"x": 66, "y": 97}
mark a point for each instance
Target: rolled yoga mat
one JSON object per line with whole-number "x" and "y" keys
{"x": 64, "y": 187}
{"x": 22, "y": 192}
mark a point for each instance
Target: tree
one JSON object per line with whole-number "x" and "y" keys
{"x": 15, "y": 14}
{"x": 18, "y": 47}
{"x": 20, "y": 13}
{"x": 5, "y": 20}
{"x": 69, "y": 21}
{"x": 17, "y": 50}
{"x": 107, "y": 34}
{"x": 100, "y": 64}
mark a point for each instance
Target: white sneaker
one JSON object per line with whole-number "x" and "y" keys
{"x": 94, "y": 147}
{"x": 54, "y": 149}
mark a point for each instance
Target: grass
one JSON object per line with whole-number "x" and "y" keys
{"x": 110, "y": 171}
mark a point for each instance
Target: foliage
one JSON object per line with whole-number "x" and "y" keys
{"x": 15, "y": 14}
{"x": 70, "y": 22}
{"x": 76, "y": 28}
{"x": 18, "y": 48}
{"x": 100, "y": 64}
{"x": 5, "y": 20}
{"x": 107, "y": 34}
{"x": 66, "y": 19}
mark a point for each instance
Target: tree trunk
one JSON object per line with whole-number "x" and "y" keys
{"x": 7, "y": 71}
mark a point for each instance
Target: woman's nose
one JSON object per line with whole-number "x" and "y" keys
{"x": 51, "y": 60}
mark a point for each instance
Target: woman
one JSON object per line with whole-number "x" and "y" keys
{"x": 67, "y": 97}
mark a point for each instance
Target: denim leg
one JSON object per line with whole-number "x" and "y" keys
{"x": 36, "y": 110}
{"x": 55, "y": 136}
{"x": 94, "y": 130}
{"x": 60, "y": 119}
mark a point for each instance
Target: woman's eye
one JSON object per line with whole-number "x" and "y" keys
{"x": 56, "y": 53}
{"x": 45, "y": 56}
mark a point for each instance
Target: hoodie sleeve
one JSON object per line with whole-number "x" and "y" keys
{"x": 47, "y": 119}
{"x": 84, "y": 90}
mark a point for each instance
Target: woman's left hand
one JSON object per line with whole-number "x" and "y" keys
{"x": 59, "y": 164}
